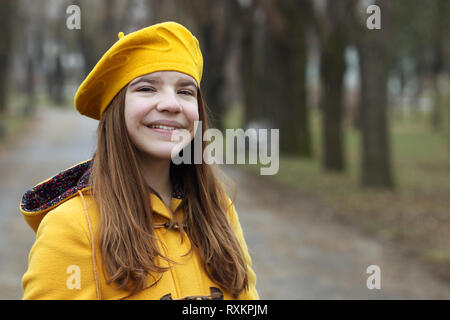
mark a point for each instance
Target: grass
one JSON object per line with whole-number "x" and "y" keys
{"x": 415, "y": 215}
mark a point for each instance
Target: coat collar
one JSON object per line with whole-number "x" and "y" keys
{"x": 52, "y": 192}
{"x": 160, "y": 207}
{"x": 57, "y": 189}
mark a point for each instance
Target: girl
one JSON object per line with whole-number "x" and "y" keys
{"x": 129, "y": 223}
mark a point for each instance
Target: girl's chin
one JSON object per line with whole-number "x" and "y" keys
{"x": 162, "y": 153}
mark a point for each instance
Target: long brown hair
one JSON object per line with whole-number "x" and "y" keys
{"x": 127, "y": 241}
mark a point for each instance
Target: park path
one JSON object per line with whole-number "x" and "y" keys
{"x": 298, "y": 247}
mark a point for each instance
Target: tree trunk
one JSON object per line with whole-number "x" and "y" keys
{"x": 30, "y": 106}
{"x": 446, "y": 59}
{"x": 436, "y": 111}
{"x": 287, "y": 72}
{"x": 217, "y": 20}
{"x": 94, "y": 26}
{"x": 376, "y": 163}
{"x": 438, "y": 64}
{"x": 332, "y": 68}
{"x": 248, "y": 66}
{"x": 59, "y": 78}
{"x": 7, "y": 11}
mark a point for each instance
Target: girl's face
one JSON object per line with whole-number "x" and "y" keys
{"x": 158, "y": 105}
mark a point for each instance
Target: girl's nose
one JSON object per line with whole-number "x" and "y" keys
{"x": 169, "y": 102}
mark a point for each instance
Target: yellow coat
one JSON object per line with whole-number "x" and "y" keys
{"x": 64, "y": 263}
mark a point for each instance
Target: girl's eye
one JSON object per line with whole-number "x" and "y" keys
{"x": 146, "y": 89}
{"x": 186, "y": 92}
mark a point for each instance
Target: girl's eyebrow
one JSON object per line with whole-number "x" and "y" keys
{"x": 144, "y": 79}
{"x": 186, "y": 82}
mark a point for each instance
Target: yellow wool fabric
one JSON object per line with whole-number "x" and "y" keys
{"x": 65, "y": 263}
{"x": 166, "y": 46}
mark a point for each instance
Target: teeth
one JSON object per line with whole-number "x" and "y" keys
{"x": 157, "y": 126}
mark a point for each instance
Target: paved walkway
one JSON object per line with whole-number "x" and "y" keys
{"x": 299, "y": 250}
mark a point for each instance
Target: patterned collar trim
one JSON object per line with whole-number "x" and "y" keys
{"x": 65, "y": 185}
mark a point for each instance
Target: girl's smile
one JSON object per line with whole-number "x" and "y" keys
{"x": 165, "y": 127}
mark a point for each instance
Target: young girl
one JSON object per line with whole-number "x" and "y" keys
{"x": 129, "y": 223}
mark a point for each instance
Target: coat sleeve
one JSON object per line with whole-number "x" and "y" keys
{"x": 60, "y": 262}
{"x": 251, "y": 293}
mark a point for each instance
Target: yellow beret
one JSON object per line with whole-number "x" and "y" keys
{"x": 166, "y": 46}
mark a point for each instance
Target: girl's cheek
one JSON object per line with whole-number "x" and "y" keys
{"x": 192, "y": 113}
{"x": 192, "y": 118}
{"x": 136, "y": 108}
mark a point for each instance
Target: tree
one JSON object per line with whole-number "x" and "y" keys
{"x": 287, "y": 56}
{"x": 334, "y": 39}
{"x": 216, "y": 23}
{"x": 374, "y": 65}
{"x": 249, "y": 65}
{"x": 418, "y": 33}
{"x": 7, "y": 11}
{"x": 101, "y": 23}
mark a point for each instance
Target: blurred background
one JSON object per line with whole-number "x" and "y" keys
{"x": 364, "y": 119}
